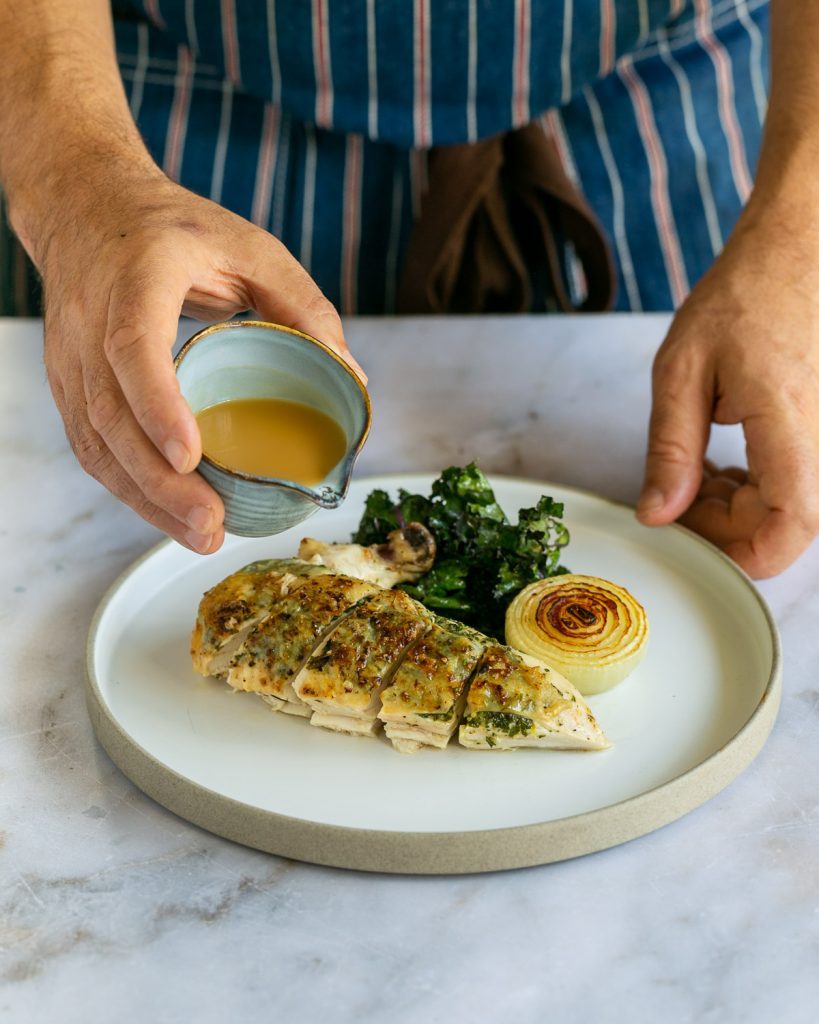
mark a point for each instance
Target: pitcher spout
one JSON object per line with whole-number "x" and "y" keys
{"x": 332, "y": 491}
{"x": 328, "y": 497}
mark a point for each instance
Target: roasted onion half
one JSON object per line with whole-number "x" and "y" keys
{"x": 592, "y": 631}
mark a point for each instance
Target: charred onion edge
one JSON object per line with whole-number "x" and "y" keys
{"x": 591, "y": 630}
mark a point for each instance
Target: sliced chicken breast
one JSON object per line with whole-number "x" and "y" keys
{"x": 517, "y": 701}
{"x": 422, "y": 705}
{"x": 343, "y": 678}
{"x": 228, "y": 611}
{"x": 277, "y": 648}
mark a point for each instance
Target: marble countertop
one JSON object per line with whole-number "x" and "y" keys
{"x": 111, "y": 908}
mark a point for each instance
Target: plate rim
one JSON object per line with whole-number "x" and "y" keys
{"x": 436, "y": 853}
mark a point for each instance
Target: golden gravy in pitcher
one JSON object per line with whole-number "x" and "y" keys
{"x": 272, "y": 437}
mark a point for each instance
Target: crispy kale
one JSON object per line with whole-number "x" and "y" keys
{"x": 382, "y": 515}
{"x": 482, "y": 559}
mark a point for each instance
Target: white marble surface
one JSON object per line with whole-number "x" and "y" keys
{"x": 113, "y": 909}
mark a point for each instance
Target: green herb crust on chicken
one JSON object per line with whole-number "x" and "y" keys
{"x": 351, "y": 656}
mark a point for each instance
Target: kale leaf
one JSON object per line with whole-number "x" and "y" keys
{"x": 482, "y": 559}
{"x": 445, "y": 586}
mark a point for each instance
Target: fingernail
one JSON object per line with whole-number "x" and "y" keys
{"x": 199, "y": 519}
{"x": 199, "y": 541}
{"x": 178, "y": 455}
{"x": 651, "y": 500}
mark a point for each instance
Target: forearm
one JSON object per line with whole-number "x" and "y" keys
{"x": 64, "y": 117}
{"x": 788, "y": 171}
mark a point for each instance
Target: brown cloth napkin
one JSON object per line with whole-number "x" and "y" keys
{"x": 499, "y": 215}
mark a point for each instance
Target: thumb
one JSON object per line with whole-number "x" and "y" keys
{"x": 677, "y": 438}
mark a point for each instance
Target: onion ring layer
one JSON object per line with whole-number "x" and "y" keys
{"x": 592, "y": 631}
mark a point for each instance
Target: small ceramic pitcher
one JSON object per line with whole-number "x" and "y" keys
{"x": 253, "y": 359}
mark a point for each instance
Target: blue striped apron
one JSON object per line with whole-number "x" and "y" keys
{"x": 313, "y": 119}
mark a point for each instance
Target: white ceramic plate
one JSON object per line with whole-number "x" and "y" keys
{"x": 683, "y": 725}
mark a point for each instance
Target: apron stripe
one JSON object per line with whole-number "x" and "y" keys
{"x": 756, "y": 59}
{"x": 321, "y": 62}
{"x": 230, "y": 41}
{"x": 472, "y": 73}
{"x": 556, "y": 131}
{"x": 309, "y": 193}
{"x": 422, "y": 112}
{"x": 273, "y": 52}
{"x": 154, "y": 13}
{"x": 608, "y": 34}
{"x": 566, "y": 52}
{"x": 618, "y": 202}
{"x": 351, "y": 233}
{"x": 178, "y": 122}
{"x": 265, "y": 167}
{"x": 642, "y": 8}
{"x": 372, "y": 73}
{"x": 138, "y": 87}
{"x": 222, "y": 140}
{"x": 660, "y": 199}
{"x": 520, "y": 64}
{"x": 190, "y": 26}
{"x": 697, "y": 148}
{"x": 725, "y": 92}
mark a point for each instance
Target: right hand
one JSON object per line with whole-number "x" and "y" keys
{"x": 119, "y": 266}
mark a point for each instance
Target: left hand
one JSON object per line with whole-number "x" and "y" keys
{"x": 744, "y": 348}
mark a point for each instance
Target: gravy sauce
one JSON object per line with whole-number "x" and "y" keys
{"x": 272, "y": 437}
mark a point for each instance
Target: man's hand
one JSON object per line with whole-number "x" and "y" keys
{"x": 744, "y": 348}
{"x": 132, "y": 255}
{"x": 123, "y": 251}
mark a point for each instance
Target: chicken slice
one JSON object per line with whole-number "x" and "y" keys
{"x": 422, "y": 706}
{"x": 404, "y": 557}
{"x": 277, "y": 647}
{"x": 228, "y": 611}
{"x": 517, "y": 701}
{"x": 343, "y": 678}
